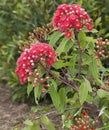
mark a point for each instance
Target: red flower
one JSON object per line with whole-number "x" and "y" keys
{"x": 71, "y": 16}
{"x": 68, "y": 34}
{"x": 84, "y": 113}
{"x": 89, "y": 27}
{"x": 36, "y": 53}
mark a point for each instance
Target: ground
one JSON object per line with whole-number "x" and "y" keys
{"x": 11, "y": 113}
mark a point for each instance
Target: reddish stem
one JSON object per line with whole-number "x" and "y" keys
{"x": 104, "y": 88}
{"x": 69, "y": 83}
{"x": 80, "y": 54}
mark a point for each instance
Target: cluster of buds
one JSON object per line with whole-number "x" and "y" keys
{"x": 84, "y": 123}
{"x": 73, "y": 16}
{"x": 36, "y": 80}
{"x": 37, "y": 53}
{"x": 23, "y": 46}
{"x": 101, "y": 48}
{"x": 40, "y": 33}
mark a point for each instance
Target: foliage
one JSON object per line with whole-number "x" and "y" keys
{"x": 78, "y": 81}
{"x": 75, "y": 79}
{"x": 99, "y": 12}
{"x": 17, "y": 19}
{"x": 20, "y": 17}
{"x": 36, "y": 124}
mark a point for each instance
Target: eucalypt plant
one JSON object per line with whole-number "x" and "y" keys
{"x": 69, "y": 73}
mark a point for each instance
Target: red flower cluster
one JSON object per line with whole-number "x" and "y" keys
{"x": 84, "y": 123}
{"x": 71, "y": 16}
{"x": 37, "y": 52}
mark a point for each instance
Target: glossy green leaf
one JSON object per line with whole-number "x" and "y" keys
{"x": 68, "y": 46}
{"x": 37, "y": 93}
{"x": 82, "y": 39}
{"x": 94, "y": 69}
{"x": 54, "y": 94}
{"x": 62, "y": 95}
{"x": 90, "y": 39}
{"x": 84, "y": 88}
{"x": 61, "y": 46}
{"x": 98, "y": 20}
{"x": 87, "y": 59}
{"x": 29, "y": 89}
{"x": 54, "y": 38}
{"x": 61, "y": 64}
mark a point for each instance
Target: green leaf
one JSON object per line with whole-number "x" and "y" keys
{"x": 36, "y": 126}
{"x": 82, "y": 39}
{"x": 83, "y": 90}
{"x": 62, "y": 95}
{"x": 100, "y": 82}
{"x": 61, "y": 46}
{"x": 61, "y": 64}
{"x": 54, "y": 38}
{"x": 87, "y": 59}
{"x": 107, "y": 35}
{"x": 98, "y": 20}
{"x": 77, "y": 112}
{"x": 54, "y": 94}
{"x": 37, "y": 93}
{"x": 68, "y": 46}
{"x": 94, "y": 69}
{"x": 67, "y": 124}
{"x": 14, "y": 75}
{"x": 36, "y": 108}
{"x": 106, "y": 127}
{"x": 56, "y": 73}
{"x": 28, "y": 122}
{"x": 90, "y": 39}
{"x": 102, "y": 111}
{"x": 102, "y": 93}
{"x": 87, "y": 83}
{"x": 94, "y": 31}
{"x": 29, "y": 89}
{"x": 25, "y": 128}
{"x": 49, "y": 125}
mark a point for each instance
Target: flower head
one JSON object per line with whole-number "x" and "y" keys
{"x": 71, "y": 16}
{"x": 68, "y": 34}
{"x": 37, "y": 53}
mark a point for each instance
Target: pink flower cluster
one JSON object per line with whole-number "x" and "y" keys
{"x": 71, "y": 16}
{"x": 35, "y": 54}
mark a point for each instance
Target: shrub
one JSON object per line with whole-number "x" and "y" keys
{"x": 77, "y": 80}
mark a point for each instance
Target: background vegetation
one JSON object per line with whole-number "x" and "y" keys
{"x": 19, "y": 17}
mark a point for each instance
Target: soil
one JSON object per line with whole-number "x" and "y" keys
{"x": 11, "y": 113}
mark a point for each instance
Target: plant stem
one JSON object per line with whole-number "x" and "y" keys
{"x": 70, "y": 84}
{"x": 104, "y": 88}
{"x": 80, "y": 54}
{"x": 53, "y": 112}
